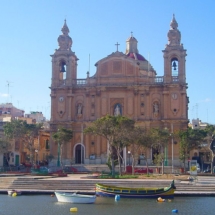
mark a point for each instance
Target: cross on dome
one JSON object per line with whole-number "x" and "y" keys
{"x": 117, "y": 44}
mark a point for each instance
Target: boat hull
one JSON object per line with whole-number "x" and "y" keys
{"x": 75, "y": 198}
{"x": 124, "y": 192}
{"x": 11, "y": 192}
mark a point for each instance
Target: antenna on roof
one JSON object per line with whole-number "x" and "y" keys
{"x": 89, "y": 62}
{"x": 196, "y": 110}
{"x": 8, "y": 88}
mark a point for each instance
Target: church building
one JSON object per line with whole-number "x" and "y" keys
{"x": 123, "y": 84}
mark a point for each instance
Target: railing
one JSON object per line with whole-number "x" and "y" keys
{"x": 158, "y": 79}
{"x": 119, "y": 81}
{"x": 175, "y": 79}
{"x": 81, "y": 81}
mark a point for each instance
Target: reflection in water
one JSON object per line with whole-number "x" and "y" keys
{"x": 45, "y": 204}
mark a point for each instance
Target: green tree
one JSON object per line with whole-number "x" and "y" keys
{"x": 115, "y": 130}
{"x": 123, "y": 136}
{"x": 160, "y": 137}
{"x": 62, "y": 137}
{"x": 23, "y": 132}
{"x": 14, "y": 129}
{"x": 210, "y": 129}
{"x": 5, "y": 148}
{"x": 142, "y": 140}
{"x": 189, "y": 139}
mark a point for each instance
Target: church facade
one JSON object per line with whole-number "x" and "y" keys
{"x": 125, "y": 84}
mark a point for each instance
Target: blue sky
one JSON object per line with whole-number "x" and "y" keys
{"x": 29, "y": 32}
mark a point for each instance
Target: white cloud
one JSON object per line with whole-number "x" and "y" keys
{"x": 206, "y": 100}
{"x": 4, "y": 95}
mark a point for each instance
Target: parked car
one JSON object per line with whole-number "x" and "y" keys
{"x": 69, "y": 169}
{"x": 46, "y": 170}
{"x": 138, "y": 169}
{"x": 55, "y": 169}
{"x": 27, "y": 164}
{"x": 143, "y": 170}
{"x": 39, "y": 170}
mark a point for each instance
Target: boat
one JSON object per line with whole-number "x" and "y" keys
{"x": 75, "y": 198}
{"x": 126, "y": 192}
{"x": 11, "y": 192}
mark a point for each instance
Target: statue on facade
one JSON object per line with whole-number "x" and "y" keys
{"x": 155, "y": 109}
{"x": 117, "y": 111}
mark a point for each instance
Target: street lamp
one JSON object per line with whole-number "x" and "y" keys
{"x": 58, "y": 154}
{"x": 172, "y": 148}
{"x": 129, "y": 154}
{"x": 165, "y": 156}
{"x": 165, "y": 152}
{"x": 36, "y": 151}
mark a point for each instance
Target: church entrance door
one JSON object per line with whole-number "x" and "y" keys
{"x": 79, "y": 154}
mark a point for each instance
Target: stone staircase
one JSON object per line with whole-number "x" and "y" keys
{"x": 47, "y": 185}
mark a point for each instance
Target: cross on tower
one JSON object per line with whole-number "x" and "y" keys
{"x": 117, "y": 44}
{"x": 131, "y": 33}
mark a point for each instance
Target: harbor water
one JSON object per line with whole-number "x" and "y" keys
{"x": 47, "y": 205}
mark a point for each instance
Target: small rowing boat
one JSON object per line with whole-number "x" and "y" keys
{"x": 126, "y": 192}
{"x": 75, "y": 198}
{"x": 11, "y": 192}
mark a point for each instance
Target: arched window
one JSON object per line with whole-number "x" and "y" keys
{"x": 174, "y": 65}
{"x": 47, "y": 144}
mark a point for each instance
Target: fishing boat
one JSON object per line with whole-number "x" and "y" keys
{"x": 75, "y": 198}
{"x": 126, "y": 192}
{"x": 11, "y": 192}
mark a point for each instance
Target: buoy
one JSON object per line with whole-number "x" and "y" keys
{"x": 160, "y": 199}
{"x": 14, "y": 194}
{"x": 175, "y": 211}
{"x": 117, "y": 197}
{"x": 73, "y": 209}
{"x": 52, "y": 195}
{"x": 169, "y": 200}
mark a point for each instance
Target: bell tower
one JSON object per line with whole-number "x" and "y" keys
{"x": 64, "y": 61}
{"x": 174, "y": 56}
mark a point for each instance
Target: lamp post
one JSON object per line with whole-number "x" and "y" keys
{"x": 36, "y": 151}
{"x": 58, "y": 152}
{"x": 165, "y": 152}
{"x": 165, "y": 156}
{"x": 172, "y": 149}
{"x": 129, "y": 154}
{"x": 58, "y": 155}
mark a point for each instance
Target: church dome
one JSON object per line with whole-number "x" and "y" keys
{"x": 136, "y": 56}
{"x": 131, "y": 49}
{"x": 131, "y": 38}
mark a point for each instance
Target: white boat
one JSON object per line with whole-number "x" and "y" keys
{"x": 75, "y": 198}
{"x": 11, "y": 192}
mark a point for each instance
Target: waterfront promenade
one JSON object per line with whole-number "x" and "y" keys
{"x": 85, "y": 183}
